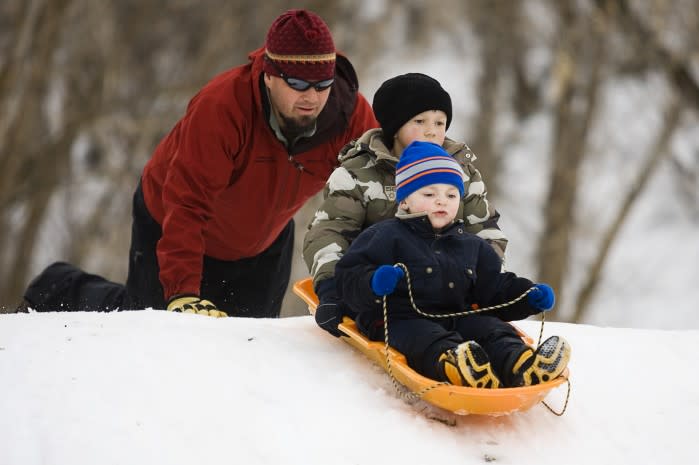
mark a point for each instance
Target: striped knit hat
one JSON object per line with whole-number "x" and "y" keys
{"x": 425, "y": 163}
{"x": 299, "y": 44}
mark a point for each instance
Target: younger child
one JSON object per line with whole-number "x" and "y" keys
{"x": 450, "y": 271}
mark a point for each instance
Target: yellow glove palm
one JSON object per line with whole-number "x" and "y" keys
{"x": 194, "y": 304}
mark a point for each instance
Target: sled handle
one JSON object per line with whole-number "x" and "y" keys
{"x": 304, "y": 289}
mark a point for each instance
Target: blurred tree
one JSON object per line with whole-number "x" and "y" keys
{"x": 88, "y": 87}
{"x": 579, "y": 57}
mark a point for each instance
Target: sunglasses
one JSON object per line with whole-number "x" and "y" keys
{"x": 300, "y": 84}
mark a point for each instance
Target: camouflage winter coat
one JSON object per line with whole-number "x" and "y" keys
{"x": 362, "y": 191}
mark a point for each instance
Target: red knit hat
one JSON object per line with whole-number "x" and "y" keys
{"x": 301, "y": 46}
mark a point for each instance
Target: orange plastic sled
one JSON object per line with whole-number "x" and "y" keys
{"x": 457, "y": 399}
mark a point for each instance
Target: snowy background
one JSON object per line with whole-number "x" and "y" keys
{"x": 152, "y": 387}
{"x": 149, "y": 60}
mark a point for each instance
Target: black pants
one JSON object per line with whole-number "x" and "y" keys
{"x": 250, "y": 287}
{"x": 422, "y": 341}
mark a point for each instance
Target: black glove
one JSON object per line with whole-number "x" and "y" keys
{"x": 328, "y": 313}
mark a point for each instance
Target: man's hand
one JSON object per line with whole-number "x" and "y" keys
{"x": 194, "y": 304}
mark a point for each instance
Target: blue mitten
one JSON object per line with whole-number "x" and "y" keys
{"x": 385, "y": 279}
{"x": 541, "y": 297}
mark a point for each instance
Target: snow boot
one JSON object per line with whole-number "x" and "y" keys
{"x": 468, "y": 365}
{"x": 545, "y": 364}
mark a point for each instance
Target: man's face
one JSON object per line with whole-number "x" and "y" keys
{"x": 295, "y": 110}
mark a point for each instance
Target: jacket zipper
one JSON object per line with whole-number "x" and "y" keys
{"x": 297, "y": 178}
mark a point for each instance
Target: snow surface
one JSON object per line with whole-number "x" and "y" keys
{"x": 151, "y": 387}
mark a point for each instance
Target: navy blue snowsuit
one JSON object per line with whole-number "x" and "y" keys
{"x": 449, "y": 271}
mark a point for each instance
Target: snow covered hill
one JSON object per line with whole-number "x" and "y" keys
{"x": 151, "y": 387}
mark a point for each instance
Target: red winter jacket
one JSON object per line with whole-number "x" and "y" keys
{"x": 221, "y": 184}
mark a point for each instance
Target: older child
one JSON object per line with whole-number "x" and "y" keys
{"x": 361, "y": 192}
{"x": 450, "y": 270}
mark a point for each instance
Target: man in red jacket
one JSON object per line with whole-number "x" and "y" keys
{"x": 213, "y": 213}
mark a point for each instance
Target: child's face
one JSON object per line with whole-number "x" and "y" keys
{"x": 439, "y": 201}
{"x": 428, "y": 126}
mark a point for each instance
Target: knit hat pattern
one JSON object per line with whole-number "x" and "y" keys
{"x": 301, "y": 46}
{"x": 425, "y": 163}
{"x": 402, "y": 97}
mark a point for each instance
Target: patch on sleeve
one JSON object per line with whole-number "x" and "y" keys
{"x": 390, "y": 192}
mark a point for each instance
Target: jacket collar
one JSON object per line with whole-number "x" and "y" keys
{"x": 420, "y": 223}
{"x": 372, "y": 142}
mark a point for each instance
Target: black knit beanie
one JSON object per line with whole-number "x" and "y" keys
{"x": 402, "y": 97}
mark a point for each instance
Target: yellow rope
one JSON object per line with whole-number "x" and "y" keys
{"x": 418, "y": 395}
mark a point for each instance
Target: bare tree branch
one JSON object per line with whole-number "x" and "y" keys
{"x": 677, "y": 67}
{"x": 658, "y": 152}
{"x": 578, "y": 78}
